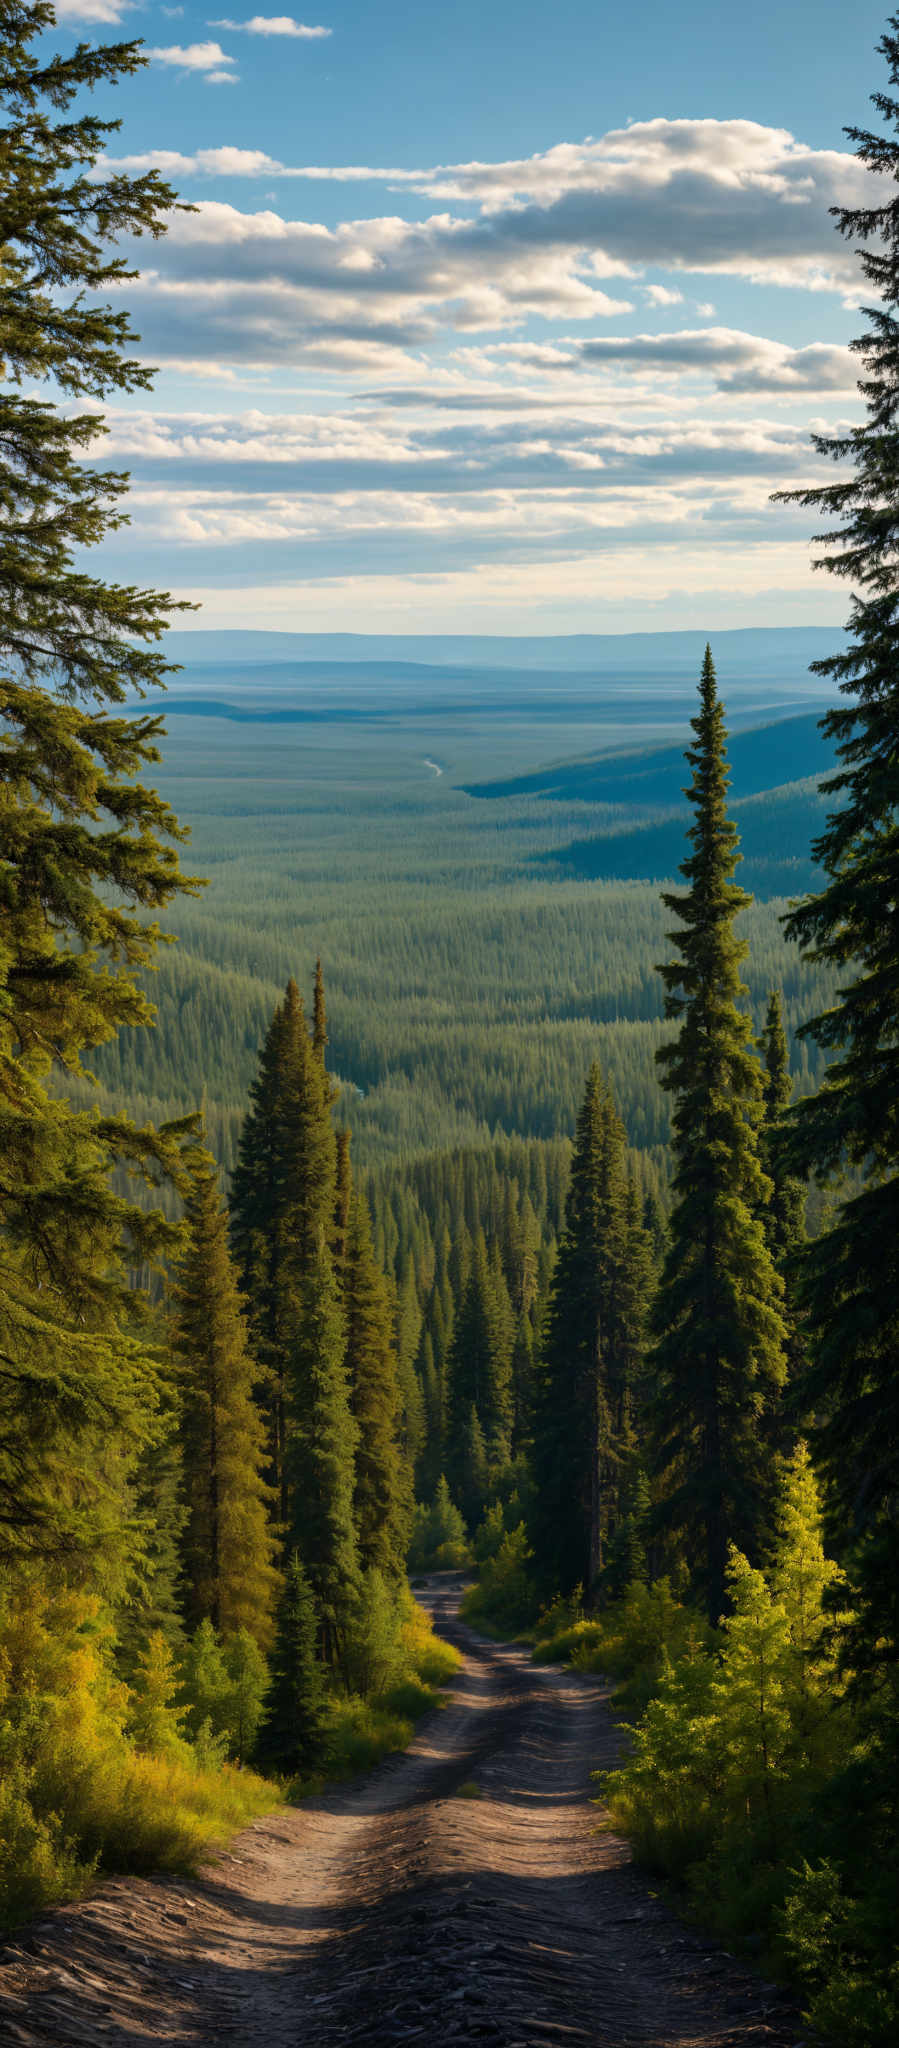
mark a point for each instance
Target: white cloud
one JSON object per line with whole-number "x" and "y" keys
{"x": 662, "y": 295}
{"x": 109, "y": 11}
{"x": 208, "y": 57}
{"x": 274, "y": 25}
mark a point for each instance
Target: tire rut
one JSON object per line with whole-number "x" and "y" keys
{"x": 405, "y": 1909}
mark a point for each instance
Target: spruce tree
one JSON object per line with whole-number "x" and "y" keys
{"x": 88, "y": 849}
{"x": 784, "y": 1214}
{"x": 320, "y": 1451}
{"x": 582, "y": 1380}
{"x": 382, "y": 1497}
{"x": 719, "y": 1358}
{"x": 227, "y": 1545}
{"x": 480, "y": 1370}
{"x": 293, "y": 1727}
{"x": 283, "y": 1205}
{"x": 850, "y": 1284}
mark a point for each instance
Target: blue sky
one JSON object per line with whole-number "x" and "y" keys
{"x": 492, "y": 317}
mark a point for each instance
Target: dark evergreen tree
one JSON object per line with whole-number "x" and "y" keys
{"x": 227, "y": 1545}
{"x": 719, "y": 1358}
{"x": 784, "y": 1215}
{"x": 283, "y": 1204}
{"x": 88, "y": 858}
{"x": 581, "y": 1390}
{"x": 479, "y": 1371}
{"x": 320, "y": 1452}
{"x": 319, "y": 1016}
{"x": 850, "y": 1286}
{"x": 472, "y": 1466}
{"x": 382, "y": 1500}
{"x": 293, "y": 1728}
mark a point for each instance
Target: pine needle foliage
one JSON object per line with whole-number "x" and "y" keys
{"x": 719, "y": 1356}
{"x": 584, "y": 1380}
{"x": 228, "y": 1543}
{"x": 292, "y": 1731}
{"x": 321, "y": 1445}
{"x": 90, "y": 852}
{"x": 850, "y": 1286}
{"x": 283, "y": 1204}
{"x": 381, "y": 1503}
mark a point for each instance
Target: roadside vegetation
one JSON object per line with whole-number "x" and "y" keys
{"x": 608, "y": 1314}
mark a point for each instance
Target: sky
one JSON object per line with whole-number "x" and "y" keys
{"x": 503, "y": 316}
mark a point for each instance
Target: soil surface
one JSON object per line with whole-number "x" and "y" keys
{"x": 461, "y": 1893}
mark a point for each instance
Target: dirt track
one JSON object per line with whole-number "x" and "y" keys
{"x": 399, "y": 1911}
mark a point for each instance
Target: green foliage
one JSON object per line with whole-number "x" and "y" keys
{"x": 634, "y": 1639}
{"x": 439, "y": 1541}
{"x": 81, "y": 1792}
{"x": 381, "y": 1500}
{"x": 224, "y": 1685}
{"x": 586, "y": 1377}
{"x": 291, "y": 1732}
{"x": 156, "y": 1719}
{"x": 88, "y": 857}
{"x": 737, "y": 1746}
{"x": 719, "y": 1356}
{"x": 504, "y": 1600}
{"x": 849, "y": 1287}
{"x": 371, "y": 1655}
{"x": 228, "y": 1544}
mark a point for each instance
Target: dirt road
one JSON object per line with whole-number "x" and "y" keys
{"x": 404, "y": 1909}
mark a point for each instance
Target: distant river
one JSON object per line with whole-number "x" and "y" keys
{"x": 435, "y": 765}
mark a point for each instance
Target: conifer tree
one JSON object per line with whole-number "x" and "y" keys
{"x": 784, "y": 1214}
{"x": 228, "y": 1547}
{"x": 719, "y": 1359}
{"x": 283, "y": 1203}
{"x": 293, "y": 1727}
{"x": 320, "y": 1451}
{"x": 480, "y": 1369}
{"x": 88, "y": 849}
{"x": 319, "y": 1016}
{"x": 382, "y": 1503}
{"x": 850, "y": 1285}
{"x": 581, "y": 1385}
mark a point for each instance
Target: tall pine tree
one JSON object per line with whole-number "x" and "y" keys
{"x": 88, "y": 852}
{"x": 382, "y": 1502}
{"x": 850, "y": 1288}
{"x": 228, "y": 1548}
{"x": 321, "y": 1442}
{"x": 283, "y": 1204}
{"x": 719, "y": 1357}
{"x": 581, "y": 1417}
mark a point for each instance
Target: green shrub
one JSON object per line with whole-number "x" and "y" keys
{"x": 739, "y": 1749}
{"x": 504, "y": 1599}
{"x": 81, "y": 1787}
{"x": 439, "y": 1541}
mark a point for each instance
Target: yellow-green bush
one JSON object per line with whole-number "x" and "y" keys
{"x": 79, "y": 1794}
{"x": 633, "y": 1640}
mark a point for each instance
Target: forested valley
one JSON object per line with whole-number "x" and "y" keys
{"x": 493, "y": 1176}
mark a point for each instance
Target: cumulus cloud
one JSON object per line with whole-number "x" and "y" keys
{"x": 729, "y": 359}
{"x": 274, "y": 25}
{"x": 206, "y": 57}
{"x": 99, "y": 11}
{"x": 502, "y": 411}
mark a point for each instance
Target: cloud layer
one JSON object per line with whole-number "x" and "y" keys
{"x": 518, "y": 370}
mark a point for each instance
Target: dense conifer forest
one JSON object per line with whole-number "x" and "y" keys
{"x": 490, "y": 1176}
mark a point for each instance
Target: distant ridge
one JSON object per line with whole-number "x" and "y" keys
{"x": 745, "y": 648}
